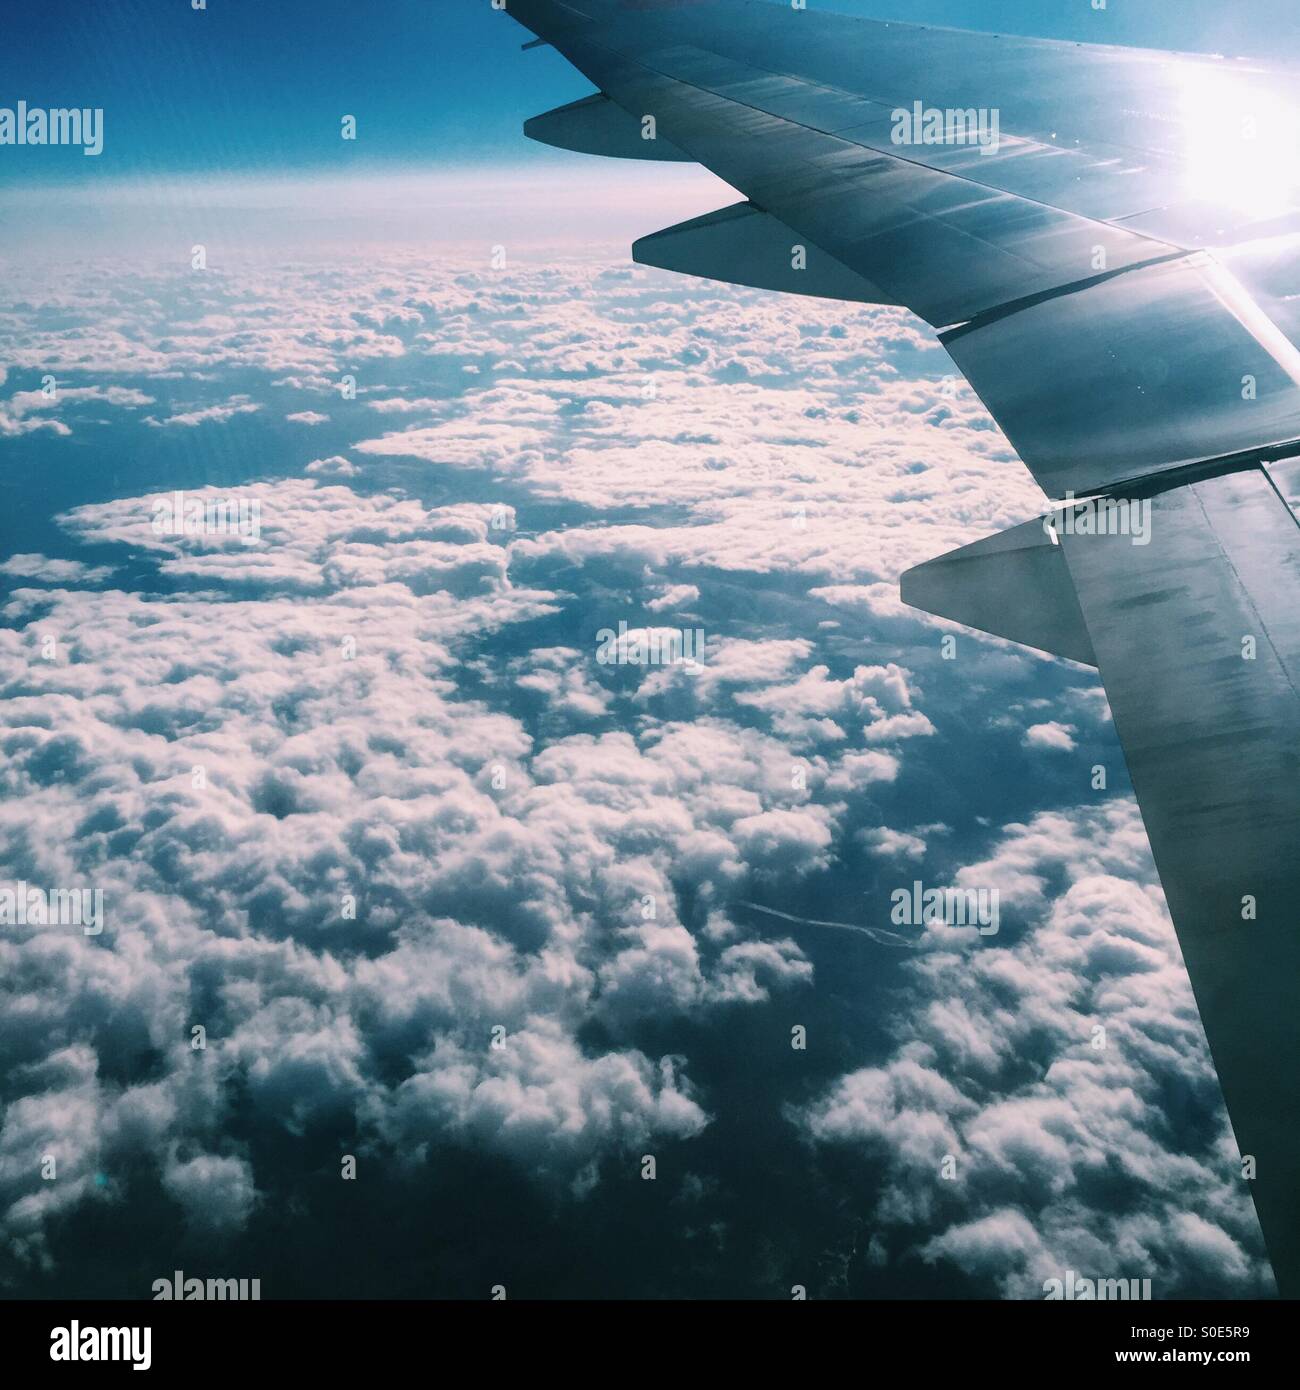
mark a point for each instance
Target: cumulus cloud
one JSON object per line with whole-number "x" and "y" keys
{"x": 226, "y": 410}
{"x": 294, "y": 815}
{"x": 336, "y": 466}
{"x": 1051, "y": 735}
{"x": 1019, "y": 1118}
{"x": 215, "y": 1192}
{"x": 814, "y": 703}
{"x": 893, "y": 844}
{"x": 561, "y": 677}
{"x": 14, "y": 423}
{"x": 673, "y": 597}
{"x": 363, "y": 802}
{"x": 26, "y": 411}
{"x": 49, "y": 571}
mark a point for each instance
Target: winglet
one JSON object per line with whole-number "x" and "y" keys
{"x": 1015, "y": 585}
{"x": 742, "y": 245}
{"x": 597, "y": 125}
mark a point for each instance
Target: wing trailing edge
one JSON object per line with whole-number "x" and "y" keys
{"x": 1132, "y": 374}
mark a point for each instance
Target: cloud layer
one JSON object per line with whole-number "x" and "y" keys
{"x": 371, "y": 815}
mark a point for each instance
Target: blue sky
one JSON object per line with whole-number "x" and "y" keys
{"x": 242, "y": 88}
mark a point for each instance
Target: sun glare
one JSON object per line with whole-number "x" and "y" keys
{"x": 1243, "y": 140}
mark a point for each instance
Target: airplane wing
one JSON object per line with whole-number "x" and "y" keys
{"x": 1108, "y": 241}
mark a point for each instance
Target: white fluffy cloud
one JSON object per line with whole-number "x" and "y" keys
{"x": 218, "y": 414}
{"x": 1051, "y": 735}
{"x": 45, "y": 570}
{"x": 1094, "y": 996}
{"x": 356, "y": 805}
{"x": 27, "y": 411}
{"x": 247, "y": 767}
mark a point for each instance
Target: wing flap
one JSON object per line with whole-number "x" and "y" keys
{"x": 1134, "y": 374}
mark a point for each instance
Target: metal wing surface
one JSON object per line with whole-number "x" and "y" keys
{"x": 1108, "y": 241}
